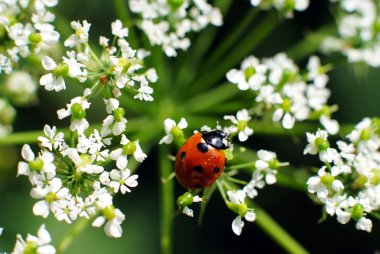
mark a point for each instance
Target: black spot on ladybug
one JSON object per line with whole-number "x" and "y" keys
{"x": 202, "y": 147}
{"x": 198, "y": 186}
{"x": 199, "y": 169}
{"x": 216, "y": 170}
{"x": 183, "y": 155}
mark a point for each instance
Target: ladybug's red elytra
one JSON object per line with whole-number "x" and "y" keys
{"x": 200, "y": 161}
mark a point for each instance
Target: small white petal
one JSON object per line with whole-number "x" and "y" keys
{"x": 237, "y": 225}
{"x": 98, "y": 222}
{"x": 41, "y": 208}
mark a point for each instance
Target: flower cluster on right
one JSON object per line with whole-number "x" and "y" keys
{"x": 348, "y": 184}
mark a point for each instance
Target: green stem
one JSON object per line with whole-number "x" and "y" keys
{"x": 73, "y": 233}
{"x": 166, "y": 201}
{"x": 245, "y": 47}
{"x": 277, "y": 233}
{"x": 195, "y": 55}
{"x": 309, "y": 44}
{"x": 231, "y": 39}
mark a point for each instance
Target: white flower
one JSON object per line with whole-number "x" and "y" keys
{"x": 49, "y": 193}
{"x": 81, "y": 34}
{"x": 66, "y": 210}
{"x": 241, "y": 121}
{"x": 35, "y": 165}
{"x": 288, "y": 119}
{"x": 317, "y": 184}
{"x": 129, "y": 148}
{"x": 122, "y": 180}
{"x": 54, "y": 140}
{"x": 84, "y": 162}
{"x": 118, "y": 30}
{"x": 112, "y": 218}
{"x": 79, "y": 125}
{"x": 311, "y": 147}
{"x": 41, "y": 243}
{"x": 50, "y": 81}
{"x": 237, "y": 197}
{"x": 169, "y": 124}
{"x": 364, "y": 224}
{"x": 263, "y": 164}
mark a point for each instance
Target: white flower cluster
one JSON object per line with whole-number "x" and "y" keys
{"x": 25, "y": 28}
{"x": 71, "y": 181}
{"x": 349, "y": 183}
{"x": 278, "y": 84}
{"x": 358, "y": 32}
{"x": 119, "y": 66}
{"x": 286, "y": 6}
{"x": 265, "y": 172}
{"x": 167, "y": 22}
{"x": 239, "y": 125}
{"x": 40, "y": 244}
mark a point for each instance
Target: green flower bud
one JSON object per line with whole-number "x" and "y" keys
{"x": 241, "y": 125}
{"x": 119, "y": 114}
{"x": 321, "y": 144}
{"x": 77, "y": 111}
{"x": 109, "y": 212}
{"x": 365, "y": 134}
{"x": 327, "y": 180}
{"x": 375, "y": 180}
{"x": 61, "y": 70}
{"x": 175, "y": 4}
{"x": 30, "y": 248}
{"x": 274, "y": 164}
{"x": 359, "y": 182}
{"x": 185, "y": 200}
{"x": 50, "y": 197}
{"x": 249, "y": 72}
{"x": 86, "y": 159}
{"x": 35, "y": 38}
{"x": 178, "y": 135}
{"x": 357, "y": 211}
{"x": 289, "y": 5}
{"x": 240, "y": 209}
{"x": 36, "y": 165}
{"x": 286, "y": 105}
{"x": 129, "y": 148}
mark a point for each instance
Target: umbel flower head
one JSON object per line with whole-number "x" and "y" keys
{"x": 168, "y": 23}
{"x": 279, "y": 87}
{"x": 348, "y": 182}
{"x": 26, "y": 28}
{"x": 39, "y": 244}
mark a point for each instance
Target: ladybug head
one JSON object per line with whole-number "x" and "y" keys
{"x": 216, "y": 139}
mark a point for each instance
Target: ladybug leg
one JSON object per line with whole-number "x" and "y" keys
{"x": 167, "y": 179}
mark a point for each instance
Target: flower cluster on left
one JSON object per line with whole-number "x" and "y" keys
{"x": 26, "y": 30}
{"x": 76, "y": 174}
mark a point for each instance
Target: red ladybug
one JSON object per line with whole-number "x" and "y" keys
{"x": 200, "y": 161}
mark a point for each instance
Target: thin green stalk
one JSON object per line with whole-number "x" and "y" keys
{"x": 309, "y": 44}
{"x": 277, "y": 233}
{"x": 188, "y": 69}
{"x": 231, "y": 39}
{"x": 246, "y": 46}
{"x": 123, "y": 13}
{"x": 77, "y": 228}
{"x": 166, "y": 201}
{"x": 212, "y": 97}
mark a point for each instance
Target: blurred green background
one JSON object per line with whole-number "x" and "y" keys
{"x": 357, "y": 97}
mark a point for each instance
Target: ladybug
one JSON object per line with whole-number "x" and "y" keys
{"x": 200, "y": 161}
